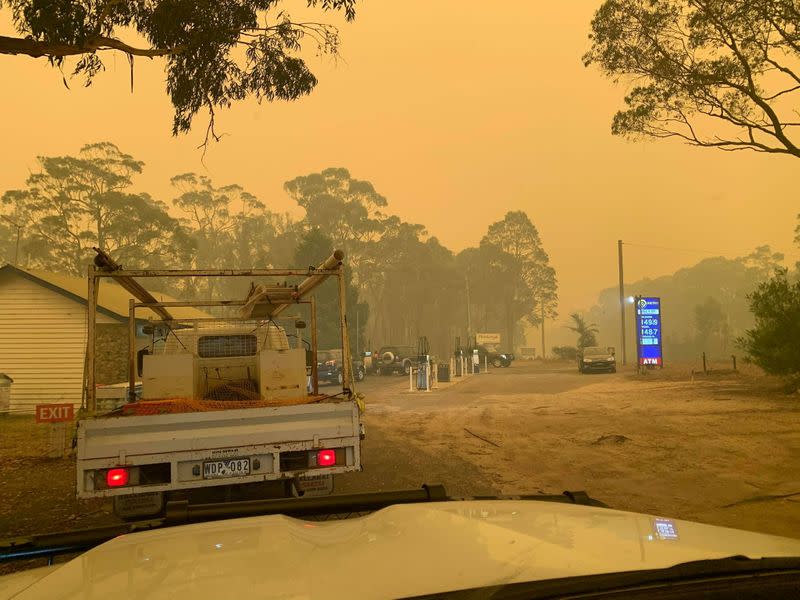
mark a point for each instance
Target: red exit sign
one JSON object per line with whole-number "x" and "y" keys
{"x": 54, "y": 413}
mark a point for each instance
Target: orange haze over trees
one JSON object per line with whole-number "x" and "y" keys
{"x": 485, "y": 112}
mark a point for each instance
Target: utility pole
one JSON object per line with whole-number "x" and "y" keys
{"x": 621, "y": 303}
{"x": 19, "y": 227}
{"x": 469, "y": 317}
{"x": 544, "y": 354}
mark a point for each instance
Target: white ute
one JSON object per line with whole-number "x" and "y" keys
{"x": 227, "y": 406}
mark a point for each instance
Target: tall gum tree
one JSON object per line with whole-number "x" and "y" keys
{"x": 714, "y": 73}
{"x": 216, "y": 53}
{"x": 72, "y": 204}
{"x": 526, "y": 283}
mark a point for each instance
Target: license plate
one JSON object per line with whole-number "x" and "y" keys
{"x": 232, "y": 467}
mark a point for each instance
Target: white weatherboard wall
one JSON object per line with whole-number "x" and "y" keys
{"x": 42, "y": 343}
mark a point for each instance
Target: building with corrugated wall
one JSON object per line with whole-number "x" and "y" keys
{"x": 43, "y": 326}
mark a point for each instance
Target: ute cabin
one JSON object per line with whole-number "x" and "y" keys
{"x": 243, "y": 362}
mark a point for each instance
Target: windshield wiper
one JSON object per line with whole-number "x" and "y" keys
{"x": 731, "y": 577}
{"x": 181, "y": 512}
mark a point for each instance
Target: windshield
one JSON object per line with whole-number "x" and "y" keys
{"x": 285, "y": 250}
{"x": 226, "y": 345}
{"x": 596, "y": 352}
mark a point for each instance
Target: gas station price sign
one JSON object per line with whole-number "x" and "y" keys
{"x": 648, "y": 331}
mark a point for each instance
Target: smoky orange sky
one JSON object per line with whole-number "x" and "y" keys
{"x": 457, "y": 112}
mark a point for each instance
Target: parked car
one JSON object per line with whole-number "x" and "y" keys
{"x": 396, "y": 359}
{"x": 596, "y": 359}
{"x": 329, "y": 367}
{"x": 493, "y": 356}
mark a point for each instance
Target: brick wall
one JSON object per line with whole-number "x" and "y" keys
{"x": 111, "y": 353}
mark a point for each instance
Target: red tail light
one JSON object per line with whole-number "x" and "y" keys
{"x": 326, "y": 458}
{"x": 117, "y": 477}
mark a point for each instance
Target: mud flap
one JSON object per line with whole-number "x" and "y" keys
{"x": 139, "y": 505}
{"x": 318, "y": 485}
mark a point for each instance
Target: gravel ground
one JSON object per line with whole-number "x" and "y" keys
{"x": 721, "y": 449}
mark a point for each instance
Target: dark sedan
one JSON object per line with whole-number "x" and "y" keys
{"x": 329, "y": 367}
{"x": 494, "y": 357}
{"x": 596, "y": 359}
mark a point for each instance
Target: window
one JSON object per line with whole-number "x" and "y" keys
{"x": 216, "y": 346}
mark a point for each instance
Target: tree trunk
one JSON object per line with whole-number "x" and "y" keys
{"x": 510, "y": 322}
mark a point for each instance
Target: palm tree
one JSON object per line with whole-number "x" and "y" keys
{"x": 587, "y": 332}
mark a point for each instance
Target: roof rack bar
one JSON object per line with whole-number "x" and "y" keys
{"x": 201, "y": 303}
{"x": 215, "y": 273}
{"x": 104, "y": 262}
{"x": 333, "y": 262}
{"x": 260, "y": 295}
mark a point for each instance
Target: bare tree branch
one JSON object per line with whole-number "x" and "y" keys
{"x": 783, "y": 69}
{"x": 781, "y": 93}
{"x": 694, "y": 62}
{"x": 36, "y": 49}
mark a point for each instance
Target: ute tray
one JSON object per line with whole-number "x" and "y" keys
{"x": 190, "y": 405}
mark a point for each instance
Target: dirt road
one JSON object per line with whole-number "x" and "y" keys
{"x": 718, "y": 449}
{"x": 519, "y": 379}
{"x": 721, "y": 450}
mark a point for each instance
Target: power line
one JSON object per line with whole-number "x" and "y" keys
{"x": 708, "y": 252}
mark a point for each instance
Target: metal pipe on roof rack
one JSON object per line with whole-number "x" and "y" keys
{"x": 269, "y": 299}
{"x": 229, "y": 318}
{"x": 286, "y": 291}
{"x": 192, "y": 303}
{"x": 347, "y": 362}
{"x": 209, "y": 273}
{"x": 333, "y": 262}
{"x": 314, "y": 368}
{"x": 131, "y": 396}
{"x": 91, "y": 323}
{"x": 109, "y": 267}
{"x": 106, "y": 263}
